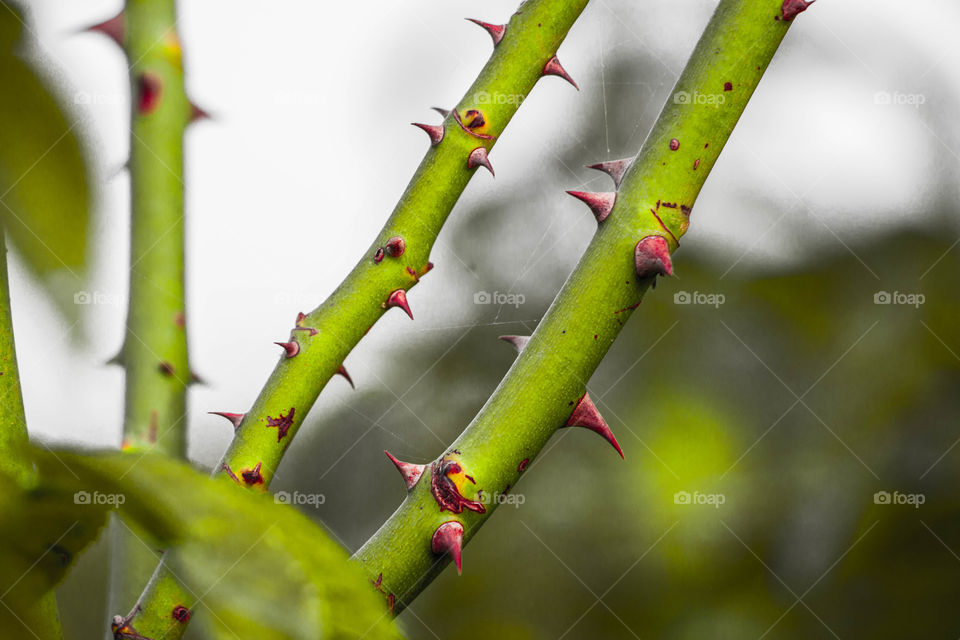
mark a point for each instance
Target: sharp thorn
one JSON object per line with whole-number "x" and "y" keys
{"x": 554, "y": 68}
{"x": 343, "y": 372}
{"x": 291, "y": 348}
{"x": 399, "y": 299}
{"x": 441, "y": 111}
{"x": 196, "y": 113}
{"x": 518, "y": 342}
{"x": 410, "y": 472}
{"x": 496, "y": 31}
{"x": 600, "y": 203}
{"x": 114, "y": 28}
{"x": 652, "y": 257}
{"x": 234, "y": 418}
{"x": 478, "y": 158}
{"x": 614, "y": 168}
{"x": 434, "y": 131}
{"x": 585, "y": 415}
{"x": 448, "y": 538}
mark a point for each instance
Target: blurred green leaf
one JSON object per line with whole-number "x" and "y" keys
{"x": 44, "y": 190}
{"x": 261, "y": 569}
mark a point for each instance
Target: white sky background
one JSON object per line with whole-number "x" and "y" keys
{"x": 311, "y": 147}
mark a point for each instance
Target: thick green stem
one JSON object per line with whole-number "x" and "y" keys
{"x": 323, "y": 338}
{"x": 548, "y": 379}
{"x": 42, "y": 620}
{"x": 154, "y": 352}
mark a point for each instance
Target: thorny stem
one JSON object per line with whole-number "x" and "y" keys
{"x": 393, "y": 264}
{"x": 154, "y": 353}
{"x": 548, "y": 379}
{"x": 42, "y": 619}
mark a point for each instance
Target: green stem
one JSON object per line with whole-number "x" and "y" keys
{"x": 325, "y": 336}
{"x": 154, "y": 353}
{"x": 42, "y": 619}
{"x": 549, "y": 377}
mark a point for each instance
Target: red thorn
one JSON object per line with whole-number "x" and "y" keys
{"x": 791, "y": 8}
{"x": 554, "y": 68}
{"x": 496, "y": 31}
{"x": 585, "y": 415}
{"x": 651, "y": 257}
{"x": 410, "y": 472}
{"x": 115, "y": 28}
{"x": 235, "y": 418}
{"x": 395, "y": 247}
{"x": 196, "y": 113}
{"x": 478, "y": 158}
{"x": 614, "y": 168}
{"x": 292, "y": 348}
{"x": 399, "y": 299}
{"x": 311, "y": 330}
{"x": 301, "y": 316}
{"x": 434, "y": 131}
{"x": 441, "y": 111}
{"x": 448, "y": 538}
{"x": 600, "y": 203}
{"x": 343, "y": 372}
{"x": 518, "y": 342}
{"x": 149, "y": 88}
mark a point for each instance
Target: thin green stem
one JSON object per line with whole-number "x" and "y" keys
{"x": 42, "y": 620}
{"x": 549, "y": 377}
{"x": 154, "y": 353}
{"x": 321, "y": 340}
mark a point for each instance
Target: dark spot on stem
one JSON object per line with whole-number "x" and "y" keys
{"x": 181, "y": 614}
{"x": 445, "y": 490}
{"x": 523, "y": 463}
{"x": 674, "y": 144}
{"x": 282, "y": 423}
{"x": 728, "y": 86}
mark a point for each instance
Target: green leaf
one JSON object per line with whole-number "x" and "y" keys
{"x": 44, "y": 190}
{"x": 260, "y": 569}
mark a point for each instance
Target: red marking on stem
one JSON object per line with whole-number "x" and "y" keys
{"x": 482, "y": 136}
{"x": 179, "y": 320}
{"x": 149, "y": 88}
{"x": 378, "y": 256}
{"x": 166, "y": 368}
{"x": 696, "y": 164}
{"x": 282, "y": 423}
{"x": 728, "y": 86}
{"x": 395, "y": 247}
{"x": 674, "y": 144}
{"x": 181, "y": 614}
{"x": 523, "y": 465}
{"x": 445, "y": 490}
{"x": 153, "y": 427}
{"x": 685, "y": 210}
{"x": 475, "y": 118}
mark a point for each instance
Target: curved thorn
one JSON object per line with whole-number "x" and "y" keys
{"x": 651, "y": 257}
{"x": 496, "y": 31}
{"x": 554, "y": 68}
{"x": 448, "y": 538}
{"x": 441, "y": 111}
{"x": 410, "y": 472}
{"x": 291, "y": 348}
{"x": 399, "y": 299}
{"x": 518, "y": 342}
{"x": 115, "y": 28}
{"x": 434, "y": 131}
{"x": 478, "y": 158}
{"x": 585, "y": 415}
{"x": 343, "y": 372}
{"x": 234, "y": 418}
{"x": 600, "y": 203}
{"x": 614, "y": 168}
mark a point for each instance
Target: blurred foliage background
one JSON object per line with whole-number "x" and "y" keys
{"x": 797, "y": 399}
